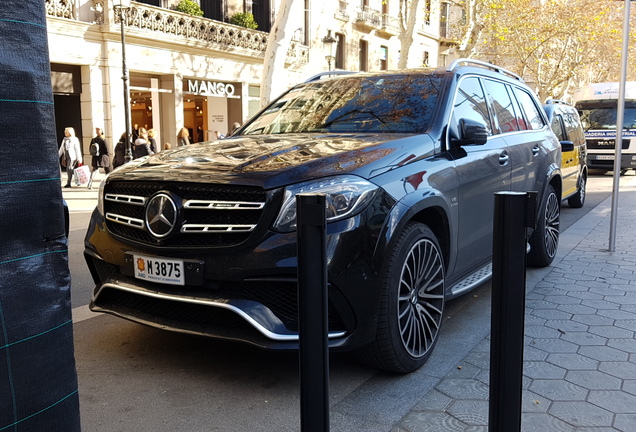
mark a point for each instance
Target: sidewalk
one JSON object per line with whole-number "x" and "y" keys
{"x": 80, "y": 198}
{"x": 580, "y": 345}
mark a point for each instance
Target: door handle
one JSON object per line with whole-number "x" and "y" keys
{"x": 503, "y": 159}
{"x": 535, "y": 150}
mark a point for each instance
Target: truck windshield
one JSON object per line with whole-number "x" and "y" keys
{"x": 392, "y": 103}
{"x": 604, "y": 117}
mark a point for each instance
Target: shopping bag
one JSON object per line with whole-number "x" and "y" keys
{"x": 82, "y": 173}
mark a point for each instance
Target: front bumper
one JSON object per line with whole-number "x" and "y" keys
{"x": 250, "y": 294}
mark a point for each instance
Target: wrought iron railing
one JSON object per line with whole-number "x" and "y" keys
{"x": 159, "y": 21}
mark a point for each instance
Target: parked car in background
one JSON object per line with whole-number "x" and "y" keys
{"x": 566, "y": 125}
{"x": 202, "y": 239}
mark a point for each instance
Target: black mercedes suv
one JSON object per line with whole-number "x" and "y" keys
{"x": 202, "y": 239}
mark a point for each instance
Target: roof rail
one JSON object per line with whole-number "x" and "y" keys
{"x": 484, "y": 64}
{"x": 556, "y": 101}
{"x": 328, "y": 73}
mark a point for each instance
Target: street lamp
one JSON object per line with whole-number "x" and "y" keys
{"x": 122, "y": 6}
{"x": 328, "y": 41}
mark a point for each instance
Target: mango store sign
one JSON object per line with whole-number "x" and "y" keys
{"x": 211, "y": 88}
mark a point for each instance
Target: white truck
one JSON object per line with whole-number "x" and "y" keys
{"x": 597, "y": 105}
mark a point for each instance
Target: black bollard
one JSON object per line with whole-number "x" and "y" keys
{"x": 514, "y": 212}
{"x": 312, "y": 313}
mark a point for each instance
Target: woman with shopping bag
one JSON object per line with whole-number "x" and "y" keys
{"x": 71, "y": 153}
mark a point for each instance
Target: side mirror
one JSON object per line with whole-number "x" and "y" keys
{"x": 471, "y": 133}
{"x": 567, "y": 146}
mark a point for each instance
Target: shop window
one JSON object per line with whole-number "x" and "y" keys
{"x": 253, "y": 100}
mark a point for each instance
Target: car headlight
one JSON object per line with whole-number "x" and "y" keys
{"x": 345, "y": 197}
{"x": 100, "y": 197}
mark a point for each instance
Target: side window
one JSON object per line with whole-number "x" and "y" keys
{"x": 572, "y": 123}
{"x": 557, "y": 128}
{"x": 505, "y": 118}
{"x": 470, "y": 103}
{"x": 530, "y": 110}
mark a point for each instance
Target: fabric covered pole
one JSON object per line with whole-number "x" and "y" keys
{"x": 38, "y": 380}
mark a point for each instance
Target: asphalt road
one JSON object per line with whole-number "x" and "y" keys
{"x": 135, "y": 378}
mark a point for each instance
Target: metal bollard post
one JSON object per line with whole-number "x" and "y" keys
{"x": 514, "y": 212}
{"x": 312, "y": 313}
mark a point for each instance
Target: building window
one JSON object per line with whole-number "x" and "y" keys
{"x": 443, "y": 20}
{"x": 384, "y": 58}
{"x": 340, "y": 51}
{"x": 363, "y": 53}
{"x": 253, "y": 100}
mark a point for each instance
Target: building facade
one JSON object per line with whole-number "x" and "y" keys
{"x": 204, "y": 73}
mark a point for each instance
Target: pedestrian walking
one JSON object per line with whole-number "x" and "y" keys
{"x": 70, "y": 153}
{"x": 120, "y": 151}
{"x": 100, "y": 157}
{"x": 142, "y": 145}
{"x": 183, "y": 137}
{"x": 153, "y": 142}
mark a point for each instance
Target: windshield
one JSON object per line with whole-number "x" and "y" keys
{"x": 393, "y": 103}
{"x": 605, "y": 118}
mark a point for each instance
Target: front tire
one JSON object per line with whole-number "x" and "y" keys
{"x": 577, "y": 200}
{"x": 545, "y": 238}
{"x": 412, "y": 303}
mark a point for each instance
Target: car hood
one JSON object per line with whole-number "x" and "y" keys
{"x": 272, "y": 161}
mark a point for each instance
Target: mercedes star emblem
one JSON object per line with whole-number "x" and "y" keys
{"x": 161, "y": 215}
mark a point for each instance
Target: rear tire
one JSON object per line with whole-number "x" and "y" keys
{"x": 412, "y": 303}
{"x": 545, "y": 238}
{"x": 577, "y": 200}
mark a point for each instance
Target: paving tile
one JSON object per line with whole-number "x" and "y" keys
{"x": 479, "y": 359}
{"x": 558, "y": 390}
{"x": 572, "y": 361}
{"x": 566, "y": 325}
{"x": 535, "y": 331}
{"x": 593, "y": 320}
{"x": 584, "y": 338}
{"x": 463, "y": 388}
{"x": 629, "y": 386}
{"x": 626, "y": 324}
{"x": 540, "y": 304}
{"x": 464, "y": 370}
{"x": 433, "y": 401}
{"x": 551, "y": 314}
{"x": 604, "y": 353}
{"x": 533, "y": 402}
{"x": 537, "y": 422}
{"x": 615, "y": 401}
{"x": 625, "y": 422}
{"x": 611, "y": 332}
{"x": 594, "y": 380}
{"x": 627, "y": 345}
{"x": 552, "y": 345}
{"x": 471, "y": 412}
{"x": 619, "y": 369}
{"x": 542, "y": 370}
{"x": 563, "y": 299}
{"x": 582, "y": 414}
{"x": 600, "y": 304}
{"x": 616, "y": 314}
{"x": 577, "y": 309}
{"x": 529, "y": 320}
{"x": 427, "y": 421}
{"x": 532, "y": 353}
{"x": 585, "y": 295}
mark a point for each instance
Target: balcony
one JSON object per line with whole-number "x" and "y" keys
{"x": 341, "y": 13}
{"x": 154, "y": 23}
{"x": 390, "y": 26}
{"x": 369, "y": 19}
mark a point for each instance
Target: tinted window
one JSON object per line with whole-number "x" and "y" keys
{"x": 395, "y": 103}
{"x": 556, "y": 127}
{"x": 530, "y": 110}
{"x": 470, "y": 103}
{"x": 505, "y": 118}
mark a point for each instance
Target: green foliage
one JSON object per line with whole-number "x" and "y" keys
{"x": 244, "y": 19}
{"x": 189, "y": 7}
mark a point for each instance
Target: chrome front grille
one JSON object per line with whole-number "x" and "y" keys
{"x": 209, "y": 215}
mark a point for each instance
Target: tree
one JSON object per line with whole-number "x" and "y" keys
{"x": 556, "y": 45}
{"x": 408, "y": 17}
{"x": 276, "y": 52}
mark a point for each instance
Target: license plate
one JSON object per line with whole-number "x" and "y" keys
{"x": 604, "y": 157}
{"x": 161, "y": 270}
